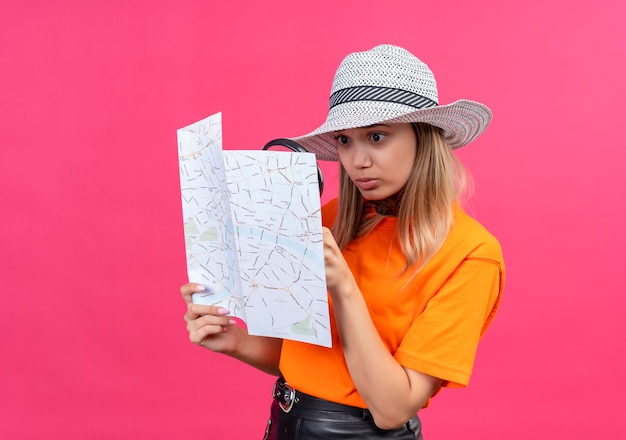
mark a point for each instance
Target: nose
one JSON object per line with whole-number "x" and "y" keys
{"x": 361, "y": 156}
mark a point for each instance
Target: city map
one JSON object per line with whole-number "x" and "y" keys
{"x": 253, "y": 234}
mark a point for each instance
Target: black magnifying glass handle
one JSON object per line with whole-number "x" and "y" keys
{"x": 296, "y": 147}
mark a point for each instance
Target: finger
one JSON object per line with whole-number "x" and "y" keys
{"x": 326, "y": 233}
{"x": 200, "y": 335}
{"x": 189, "y": 289}
{"x": 194, "y": 311}
{"x": 208, "y": 325}
{"x": 200, "y": 309}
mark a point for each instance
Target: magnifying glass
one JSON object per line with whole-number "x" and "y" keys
{"x": 276, "y": 144}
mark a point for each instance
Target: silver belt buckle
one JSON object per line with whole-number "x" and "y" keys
{"x": 286, "y": 396}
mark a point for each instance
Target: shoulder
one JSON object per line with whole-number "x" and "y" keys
{"x": 469, "y": 234}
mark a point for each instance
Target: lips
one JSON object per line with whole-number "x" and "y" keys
{"x": 366, "y": 184}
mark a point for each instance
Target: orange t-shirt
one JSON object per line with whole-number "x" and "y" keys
{"x": 431, "y": 323}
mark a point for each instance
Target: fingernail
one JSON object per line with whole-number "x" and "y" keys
{"x": 232, "y": 321}
{"x": 222, "y": 311}
{"x": 200, "y": 287}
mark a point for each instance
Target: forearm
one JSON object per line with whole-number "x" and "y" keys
{"x": 260, "y": 352}
{"x": 392, "y": 394}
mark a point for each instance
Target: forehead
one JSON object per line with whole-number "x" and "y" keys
{"x": 367, "y": 128}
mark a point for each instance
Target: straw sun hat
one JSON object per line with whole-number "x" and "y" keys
{"x": 388, "y": 84}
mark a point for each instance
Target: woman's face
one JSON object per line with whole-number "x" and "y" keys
{"x": 378, "y": 158}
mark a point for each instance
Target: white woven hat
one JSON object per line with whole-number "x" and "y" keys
{"x": 391, "y": 85}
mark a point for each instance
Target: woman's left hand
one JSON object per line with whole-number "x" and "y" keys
{"x": 338, "y": 274}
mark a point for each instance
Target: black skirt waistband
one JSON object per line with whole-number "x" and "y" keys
{"x": 291, "y": 399}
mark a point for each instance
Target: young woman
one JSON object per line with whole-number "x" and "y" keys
{"x": 413, "y": 281}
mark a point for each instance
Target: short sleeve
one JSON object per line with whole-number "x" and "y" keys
{"x": 443, "y": 339}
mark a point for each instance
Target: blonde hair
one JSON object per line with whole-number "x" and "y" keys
{"x": 423, "y": 207}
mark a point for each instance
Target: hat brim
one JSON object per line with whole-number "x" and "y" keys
{"x": 462, "y": 122}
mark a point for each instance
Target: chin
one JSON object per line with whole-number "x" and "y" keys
{"x": 373, "y": 196}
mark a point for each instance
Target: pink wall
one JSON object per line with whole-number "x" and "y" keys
{"x": 91, "y": 336}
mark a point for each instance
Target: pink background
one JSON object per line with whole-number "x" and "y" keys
{"x": 92, "y": 341}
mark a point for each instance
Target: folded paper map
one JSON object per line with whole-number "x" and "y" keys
{"x": 253, "y": 234}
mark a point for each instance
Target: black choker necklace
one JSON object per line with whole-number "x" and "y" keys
{"x": 388, "y": 207}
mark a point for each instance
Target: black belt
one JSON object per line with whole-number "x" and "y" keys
{"x": 289, "y": 398}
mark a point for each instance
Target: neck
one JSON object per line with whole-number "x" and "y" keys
{"x": 388, "y": 206}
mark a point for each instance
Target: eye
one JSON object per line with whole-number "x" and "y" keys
{"x": 342, "y": 139}
{"x": 376, "y": 137}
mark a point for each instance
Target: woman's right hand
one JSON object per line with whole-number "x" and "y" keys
{"x": 210, "y": 326}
